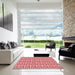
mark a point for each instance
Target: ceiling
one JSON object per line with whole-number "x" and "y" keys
{"x": 29, "y": 1}
{"x": 34, "y": 4}
{"x": 42, "y": 4}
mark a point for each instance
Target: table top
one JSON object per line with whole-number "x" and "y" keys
{"x": 41, "y": 52}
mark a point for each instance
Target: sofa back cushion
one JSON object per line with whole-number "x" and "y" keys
{"x": 72, "y": 48}
{"x": 52, "y": 44}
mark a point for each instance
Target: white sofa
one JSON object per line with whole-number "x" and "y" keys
{"x": 9, "y": 55}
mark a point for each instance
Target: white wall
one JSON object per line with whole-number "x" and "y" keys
{"x": 6, "y": 35}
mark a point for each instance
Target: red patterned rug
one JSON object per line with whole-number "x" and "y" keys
{"x": 37, "y": 63}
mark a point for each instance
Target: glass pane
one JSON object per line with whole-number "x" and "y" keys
{"x": 40, "y": 25}
{"x": 48, "y": 20}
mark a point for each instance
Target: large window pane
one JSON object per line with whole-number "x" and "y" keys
{"x": 41, "y": 21}
{"x": 40, "y": 25}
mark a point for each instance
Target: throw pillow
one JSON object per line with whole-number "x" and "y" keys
{"x": 9, "y": 46}
{"x": 3, "y": 45}
{"x": 13, "y": 44}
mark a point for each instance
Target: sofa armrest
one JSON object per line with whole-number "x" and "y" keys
{"x": 6, "y": 56}
{"x": 63, "y": 47}
{"x": 20, "y": 45}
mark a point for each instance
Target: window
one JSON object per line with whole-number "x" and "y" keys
{"x": 40, "y": 23}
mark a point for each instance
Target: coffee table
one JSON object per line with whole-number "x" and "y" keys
{"x": 41, "y": 53}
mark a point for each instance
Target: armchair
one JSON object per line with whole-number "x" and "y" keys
{"x": 51, "y": 45}
{"x": 68, "y": 52}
